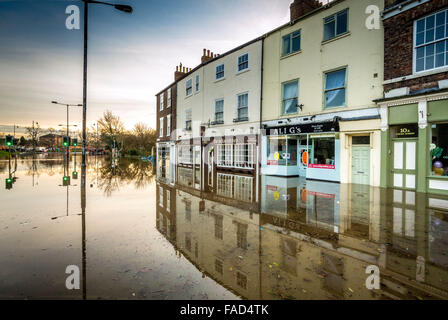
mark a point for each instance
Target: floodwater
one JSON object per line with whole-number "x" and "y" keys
{"x": 133, "y": 236}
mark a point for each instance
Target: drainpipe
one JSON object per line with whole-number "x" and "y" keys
{"x": 261, "y": 126}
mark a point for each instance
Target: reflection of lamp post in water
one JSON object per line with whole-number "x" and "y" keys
{"x": 83, "y": 214}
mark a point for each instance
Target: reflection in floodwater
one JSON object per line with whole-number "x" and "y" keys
{"x": 240, "y": 236}
{"x": 309, "y": 239}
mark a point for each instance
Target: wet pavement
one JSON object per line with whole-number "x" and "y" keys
{"x": 134, "y": 236}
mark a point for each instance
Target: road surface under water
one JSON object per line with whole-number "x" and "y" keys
{"x": 134, "y": 236}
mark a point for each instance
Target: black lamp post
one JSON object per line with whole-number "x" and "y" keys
{"x": 120, "y": 7}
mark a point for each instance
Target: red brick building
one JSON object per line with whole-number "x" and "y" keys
{"x": 414, "y": 110}
{"x": 166, "y": 127}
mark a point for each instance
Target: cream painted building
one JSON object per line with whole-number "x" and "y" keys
{"x": 218, "y": 114}
{"x": 321, "y": 73}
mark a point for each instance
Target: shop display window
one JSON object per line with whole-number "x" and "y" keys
{"x": 439, "y": 149}
{"x": 323, "y": 152}
{"x": 282, "y": 151}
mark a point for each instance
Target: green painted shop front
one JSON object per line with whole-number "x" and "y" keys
{"x": 414, "y": 145}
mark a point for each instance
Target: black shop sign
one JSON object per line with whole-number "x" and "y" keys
{"x": 406, "y": 131}
{"x": 303, "y": 128}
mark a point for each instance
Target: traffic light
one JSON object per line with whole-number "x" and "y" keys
{"x": 74, "y": 175}
{"x": 9, "y": 141}
{"x": 75, "y": 142}
{"x": 66, "y": 141}
{"x": 9, "y": 183}
{"x": 66, "y": 181}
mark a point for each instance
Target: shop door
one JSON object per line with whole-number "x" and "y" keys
{"x": 304, "y": 153}
{"x": 404, "y": 154}
{"x": 361, "y": 164}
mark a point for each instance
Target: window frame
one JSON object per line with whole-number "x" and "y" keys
{"x": 161, "y": 101}
{"x": 168, "y": 125}
{"x": 282, "y": 113}
{"x": 223, "y": 72}
{"x": 189, "y": 87}
{"x": 214, "y": 111}
{"x": 197, "y": 83}
{"x": 238, "y": 63}
{"x": 324, "y": 96}
{"x": 168, "y": 97}
{"x": 434, "y": 42}
{"x": 188, "y": 119}
{"x": 161, "y": 126}
{"x": 237, "y": 118}
{"x": 335, "y": 15}
{"x": 290, "y": 35}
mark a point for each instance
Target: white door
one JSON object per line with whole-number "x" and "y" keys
{"x": 404, "y": 164}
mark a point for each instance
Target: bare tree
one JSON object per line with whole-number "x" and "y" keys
{"x": 34, "y": 133}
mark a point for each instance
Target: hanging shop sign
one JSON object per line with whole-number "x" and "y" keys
{"x": 406, "y": 131}
{"x": 303, "y": 128}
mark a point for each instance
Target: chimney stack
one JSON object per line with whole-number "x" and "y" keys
{"x": 301, "y": 7}
{"x": 180, "y": 71}
{"x": 206, "y": 56}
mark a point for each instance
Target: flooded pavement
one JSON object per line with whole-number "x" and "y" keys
{"x": 134, "y": 236}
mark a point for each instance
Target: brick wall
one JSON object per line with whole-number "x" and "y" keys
{"x": 166, "y": 111}
{"x": 398, "y": 46}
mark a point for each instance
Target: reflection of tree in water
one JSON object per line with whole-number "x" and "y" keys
{"x": 126, "y": 172}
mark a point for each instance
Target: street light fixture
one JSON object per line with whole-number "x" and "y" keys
{"x": 67, "y": 105}
{"x": 120, "y": 7}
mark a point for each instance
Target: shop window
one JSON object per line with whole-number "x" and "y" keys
{"x": 225, "y": 185}
{"x": 225, "y": 155}
{"x": 439, "y": 149}
{"x": 323, "y": 152}
{"x": 185, "y": 154}
{"x": 243, "y": 156}
{"x": 282, "y": 151}
{"x": 185, "y": 176}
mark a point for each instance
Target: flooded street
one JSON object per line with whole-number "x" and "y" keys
{"x": 259, "y": 237}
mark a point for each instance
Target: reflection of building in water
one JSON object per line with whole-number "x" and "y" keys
{"x": 312, "y": 239}
{"x": 220, "y": 240}
{"x": 166, "y": 210}
{"x": 318, "y": 244}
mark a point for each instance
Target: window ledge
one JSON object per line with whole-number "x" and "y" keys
{"x": 346, "y": 34}
{"x": 215, "y": 123}
{"x": 242, "y": 71}
{"x": 289, "y": 115}
{"x": 290, "y": 54}
{"x": 241, "y": 119}
{"x": 191, "y": 94}
{"x": 438, "y": 177}
{"x": 220, "y": 79}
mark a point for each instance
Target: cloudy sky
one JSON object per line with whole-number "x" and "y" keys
{"x": 131, "y": 57}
